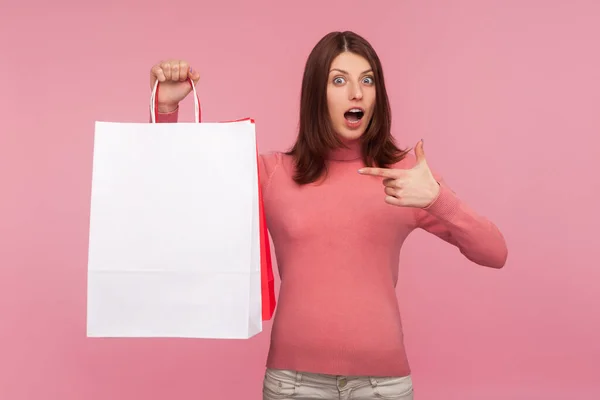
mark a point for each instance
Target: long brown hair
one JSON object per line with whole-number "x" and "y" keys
{"x": 316, "y": 137}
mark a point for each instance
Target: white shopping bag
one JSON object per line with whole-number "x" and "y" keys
{"x": 174, "y": 230}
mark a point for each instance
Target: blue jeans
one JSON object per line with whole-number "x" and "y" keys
{"x": 292, "y": 385}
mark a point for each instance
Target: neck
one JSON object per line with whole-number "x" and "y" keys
{"x": 349, "y": 152}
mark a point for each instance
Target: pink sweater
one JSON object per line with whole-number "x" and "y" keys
{"x": 337, "y": 246}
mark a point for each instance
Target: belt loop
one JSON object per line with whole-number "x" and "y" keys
{"x": 373, "y": 381}
{"x": 298, "y": 378}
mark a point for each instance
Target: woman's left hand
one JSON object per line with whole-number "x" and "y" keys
{"x": 415, "y": 187}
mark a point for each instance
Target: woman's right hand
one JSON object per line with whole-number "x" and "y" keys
{"x": 173, "y": 76}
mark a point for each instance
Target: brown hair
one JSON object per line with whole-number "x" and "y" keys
{"x": 316, "y": 136}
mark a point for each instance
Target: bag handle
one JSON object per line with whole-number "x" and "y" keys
{"x": 154, "y": 102}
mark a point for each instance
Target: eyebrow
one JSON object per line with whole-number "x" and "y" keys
{"x": 346, "y": 72}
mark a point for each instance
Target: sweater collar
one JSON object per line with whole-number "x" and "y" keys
{"x": 351, "y": 152}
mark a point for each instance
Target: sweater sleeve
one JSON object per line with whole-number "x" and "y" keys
{"x": 167, "y": 117}
{"x": 452, "y": 220}
{"x": 267, "y": 165}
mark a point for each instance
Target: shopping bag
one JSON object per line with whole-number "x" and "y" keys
{"x": 178, "y": 245}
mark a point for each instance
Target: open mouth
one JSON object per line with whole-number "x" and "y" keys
{"x": 354, "y": 114}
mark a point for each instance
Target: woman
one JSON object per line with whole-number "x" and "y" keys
{"x": 339, "y": 206}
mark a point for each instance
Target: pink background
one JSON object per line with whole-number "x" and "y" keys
{"x": 505, "y": 93}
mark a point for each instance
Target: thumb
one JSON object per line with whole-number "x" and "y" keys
{"x": 194, "y": 75}
{"x": 419, "y": 152}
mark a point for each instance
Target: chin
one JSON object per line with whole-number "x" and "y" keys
{"x": 350, "y": 133}
{"x": 350, "y": 136}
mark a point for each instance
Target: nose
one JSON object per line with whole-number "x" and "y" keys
{"x": 355, "y": 92}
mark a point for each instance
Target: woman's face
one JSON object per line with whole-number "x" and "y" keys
{"x": 350, "y": 95}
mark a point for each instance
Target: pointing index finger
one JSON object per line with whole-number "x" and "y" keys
{"x": 383, "y": 172}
